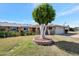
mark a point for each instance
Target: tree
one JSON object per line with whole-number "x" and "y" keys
{"x": 43, "y": 14}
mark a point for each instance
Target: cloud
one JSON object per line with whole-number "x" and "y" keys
{"x": 70, "y": 11}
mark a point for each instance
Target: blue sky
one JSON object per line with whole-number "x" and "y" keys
{"x": 67, "y": 14}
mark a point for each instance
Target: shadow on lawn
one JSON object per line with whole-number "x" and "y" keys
{"x": 70, "y": 47}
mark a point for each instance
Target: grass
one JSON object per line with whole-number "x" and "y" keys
{"x": 24, "y": 46}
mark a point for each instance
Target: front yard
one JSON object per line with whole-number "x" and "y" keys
{"x": 23, "y": 45}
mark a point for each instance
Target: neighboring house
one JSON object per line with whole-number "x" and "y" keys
{"x": 51, "y": 29}
{"x": 76, "y": 28}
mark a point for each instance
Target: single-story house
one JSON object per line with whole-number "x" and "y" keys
{"x": 51, "y": 29}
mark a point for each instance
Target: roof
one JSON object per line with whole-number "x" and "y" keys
{"x": 51, "y": 25}
{"x": 13, "y": 24}
{"x": 25, "y": 25}
{"x": 59, "y": 26}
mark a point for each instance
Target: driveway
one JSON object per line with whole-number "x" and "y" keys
{"x": 72, "y": 34}
{"x": 75, "y": 36}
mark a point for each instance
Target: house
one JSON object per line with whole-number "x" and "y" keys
{"x": 5, "y": 26}
{"x": 51, "y": 29}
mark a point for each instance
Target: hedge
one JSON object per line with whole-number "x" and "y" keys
{"x": 8, "y": 34}
{"x": 13, "y": 33}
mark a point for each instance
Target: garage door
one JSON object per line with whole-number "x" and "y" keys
{"x": 59, "y": 30}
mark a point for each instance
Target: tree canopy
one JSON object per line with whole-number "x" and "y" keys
{"x": 44, "y": 14}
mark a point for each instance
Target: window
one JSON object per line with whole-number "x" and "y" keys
{"x": 50, "y": 27}
{"x": 14, "y": 29}
{"x": 25, "y": 28}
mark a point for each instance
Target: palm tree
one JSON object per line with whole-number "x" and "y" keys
{"x": 43, "y": 14}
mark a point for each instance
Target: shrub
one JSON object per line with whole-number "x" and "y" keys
{"x": 13, "y": 33}
{"x": 30, "y": 33}
{"x": 2, "y": 34}
{"x": 66, "y": 31}
{"x": 22, "y": 33}
{"x": 9, "y": 34}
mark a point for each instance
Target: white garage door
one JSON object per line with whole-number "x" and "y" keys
{"x": 59, "y": 30}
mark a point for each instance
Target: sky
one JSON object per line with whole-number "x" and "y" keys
{"x": 66, "y": 13}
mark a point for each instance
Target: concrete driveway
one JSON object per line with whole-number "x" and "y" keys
{"x": 72, "y": 34}
{"x": 75, "y": 36}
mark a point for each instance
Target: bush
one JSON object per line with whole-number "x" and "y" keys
{"x": 12, "y": 33}
{"x": 9, "y": 34}
{"x": 22, "y": 33}
{"x": 71, "y": 29}
{"x": 66, "y": 31}
{"x": 2, "y": 34}
{"x": 30, "y": 33}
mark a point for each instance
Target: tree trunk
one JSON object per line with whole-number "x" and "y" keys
{"x": 45, "y": 30}
{"x": 42, "y": 30}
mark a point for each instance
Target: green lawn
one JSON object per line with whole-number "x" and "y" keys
{"x": 23, "y": 46}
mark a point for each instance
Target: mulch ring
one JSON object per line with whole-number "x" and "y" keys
{"x": 43, "y": 41}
